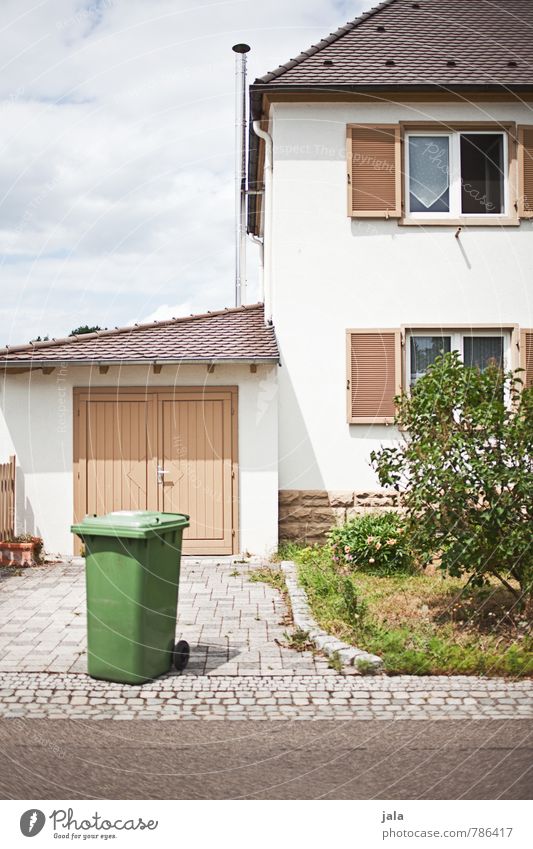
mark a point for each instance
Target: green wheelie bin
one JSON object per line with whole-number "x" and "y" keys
{"x": 132, "y": 577}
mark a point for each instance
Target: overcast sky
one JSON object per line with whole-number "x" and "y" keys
{"x": 116, "y": 165}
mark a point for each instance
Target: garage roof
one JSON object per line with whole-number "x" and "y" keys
{"x": 232, "y": 335}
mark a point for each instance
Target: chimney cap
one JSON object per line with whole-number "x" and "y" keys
{"x": 241, "y": 48}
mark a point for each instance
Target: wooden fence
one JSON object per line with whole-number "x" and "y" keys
{"x": 7, "y": 498}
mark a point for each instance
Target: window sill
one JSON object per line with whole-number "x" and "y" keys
{"x": 481, "y": 221}
{"x": 376, "y": 420}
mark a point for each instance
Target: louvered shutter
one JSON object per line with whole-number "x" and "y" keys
{"x": 374, "y": 171}
{"x": 525, "y": 171}
{"x": 374, "y": 375}
{"x": 526, "y": 356}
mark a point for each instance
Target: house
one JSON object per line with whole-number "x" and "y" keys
{"x": 391, "y": 185}
{"x": 397, "y": 161}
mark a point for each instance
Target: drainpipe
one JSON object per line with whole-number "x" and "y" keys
{"x": 240, "y": 51}
{"x": 267, "y": 225}
{"x": 256, "y": 240}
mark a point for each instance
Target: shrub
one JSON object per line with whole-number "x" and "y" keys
{"x": 465, "y": 470}
{"x": 375, "y": 543}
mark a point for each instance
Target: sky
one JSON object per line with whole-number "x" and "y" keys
{"x": 117, "y": 153}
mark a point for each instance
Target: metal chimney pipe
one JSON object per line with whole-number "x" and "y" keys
{"x": 240, "y": 51}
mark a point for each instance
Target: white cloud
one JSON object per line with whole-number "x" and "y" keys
{"x": 116, "y": 139}
{"x": 165, "y": 311}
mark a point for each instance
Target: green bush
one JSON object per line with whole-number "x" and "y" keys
{"x": 375, "y": 543}
{"x": 465, "y": 471}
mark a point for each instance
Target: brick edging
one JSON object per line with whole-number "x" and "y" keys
{"x": 303, "y": 619}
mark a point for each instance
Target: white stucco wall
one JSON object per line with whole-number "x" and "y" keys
{"x": 330, "y": 273}
{"x": 36, "y": 425}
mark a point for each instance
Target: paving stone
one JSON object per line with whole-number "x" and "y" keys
{"x": 238, "y": 671}
{"x": 251, "y": 697}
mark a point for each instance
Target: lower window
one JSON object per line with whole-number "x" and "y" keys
{"x": 477, "y": 349}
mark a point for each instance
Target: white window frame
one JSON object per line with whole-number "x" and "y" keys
{"x": 455, "y": 211}
{"x": 456, "y": 343}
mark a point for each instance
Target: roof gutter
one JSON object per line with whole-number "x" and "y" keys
{"x": 30, "y": 365}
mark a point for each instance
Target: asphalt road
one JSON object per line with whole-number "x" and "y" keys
{"x": 78, "y": 759}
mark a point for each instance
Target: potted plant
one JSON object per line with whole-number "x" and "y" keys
{"x": 21, "y": 550}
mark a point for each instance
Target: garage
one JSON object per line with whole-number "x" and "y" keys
{"x": 175, "y": 416}
{"x": 173, "y": 450}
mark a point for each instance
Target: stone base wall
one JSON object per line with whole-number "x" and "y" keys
{"x": 306, "y": 515}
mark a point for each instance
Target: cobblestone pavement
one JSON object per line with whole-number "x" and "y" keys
{"x": 234, "y": 626}
{"x": 265, "y": 697}
{"x": 239, "y": 667}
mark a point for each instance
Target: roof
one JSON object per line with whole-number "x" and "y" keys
{"x": 401, "y": 42}
{"x": 233, "y": 335}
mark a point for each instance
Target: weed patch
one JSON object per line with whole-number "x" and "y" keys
{"x": 420, "y": 623}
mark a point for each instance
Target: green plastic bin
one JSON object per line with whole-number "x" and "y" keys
{"x": 132, "y": 576}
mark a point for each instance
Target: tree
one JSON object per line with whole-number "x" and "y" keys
{"x": 465, "y": 471}
{"x": 84, "y": 328}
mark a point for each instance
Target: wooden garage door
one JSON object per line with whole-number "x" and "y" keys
{"x": 173, "y": 451}
{"x": 195, "y": 439}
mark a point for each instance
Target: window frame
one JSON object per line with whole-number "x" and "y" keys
{"x": 454, "y": 182}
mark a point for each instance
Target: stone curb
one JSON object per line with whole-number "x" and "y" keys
{"x": 303, "y": 619}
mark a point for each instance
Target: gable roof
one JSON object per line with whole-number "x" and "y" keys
{"x": 232, "y": 335}
{"x": 482, "y": 38}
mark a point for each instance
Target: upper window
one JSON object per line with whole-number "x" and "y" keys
{"x": 456, "y": 174}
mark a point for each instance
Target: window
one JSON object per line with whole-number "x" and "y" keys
{"x": 456, "y": 174}
{"x": 482, "y": 351}
{"x": 376, "y": 372}
{"x": 424, "y": 350}
{"x": 476, "y": 348}
{"x": 482, "y": 184}
{"x": 429, "y": 174}
{"x": 440, "y": 173}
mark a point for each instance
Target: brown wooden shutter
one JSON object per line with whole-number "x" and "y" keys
{"x": 526, "y": 356}
{"x": 374, "y": 171}
{"x": 525, "y": 171}
{"x": 374, "y": 375}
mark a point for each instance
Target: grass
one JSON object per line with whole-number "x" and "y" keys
{"x": 274, "y": 578}
{"x": 420, "y": 623}
{"x": 335, "y": 662}
{"x": 299, "y": 640}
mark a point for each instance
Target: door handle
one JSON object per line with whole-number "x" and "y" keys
{"x": 160, "y": 473}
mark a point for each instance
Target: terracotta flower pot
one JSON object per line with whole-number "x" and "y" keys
{"x": 19, "y": 553}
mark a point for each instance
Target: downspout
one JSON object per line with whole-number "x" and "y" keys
{"x": 258, "y": 241}
{"x": 267, "y": 224}
{"x": 240, "y": 51}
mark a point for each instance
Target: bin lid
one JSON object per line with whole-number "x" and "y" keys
{"x": 131, "y": 523}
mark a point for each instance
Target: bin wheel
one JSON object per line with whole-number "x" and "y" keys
{"x": 181, "y": 655}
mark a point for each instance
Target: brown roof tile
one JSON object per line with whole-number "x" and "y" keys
{"x": 231, "y": 334}
{"x": 482, "y": 38}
